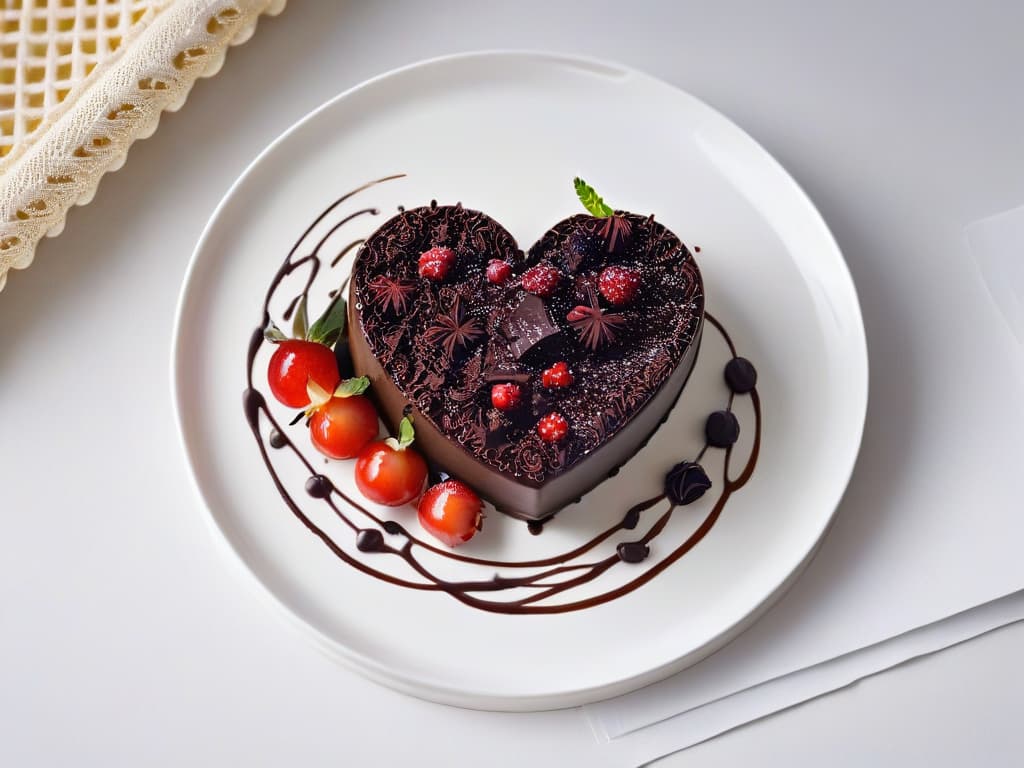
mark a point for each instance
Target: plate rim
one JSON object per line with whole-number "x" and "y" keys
{"x": 461, "y": 696}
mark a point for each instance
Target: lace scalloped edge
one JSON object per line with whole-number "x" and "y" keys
{"x": 122, "y": 104}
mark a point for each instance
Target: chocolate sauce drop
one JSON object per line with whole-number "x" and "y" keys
{"x": 633, "y": 551}
{"x": 686, "y": 482}
{"x": 319, "y": 487}
{"x": 740, "y": 375}
{"x": 722, "y": 429}
{"x": 277, "y": 440}
{"x": 392, "y": 528}
{"x": 370, "y": 540}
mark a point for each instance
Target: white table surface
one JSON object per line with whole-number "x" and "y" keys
{"x": 125, "y": 638}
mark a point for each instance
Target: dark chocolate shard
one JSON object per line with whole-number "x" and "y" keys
{"x": 528, "y": 325}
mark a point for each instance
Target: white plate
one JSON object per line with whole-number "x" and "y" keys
{"x": 505, "y": 133}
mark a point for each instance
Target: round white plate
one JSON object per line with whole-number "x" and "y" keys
{"x": 506, "y": 133}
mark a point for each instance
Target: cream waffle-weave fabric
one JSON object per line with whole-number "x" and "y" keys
{"x": 80, "y": 80}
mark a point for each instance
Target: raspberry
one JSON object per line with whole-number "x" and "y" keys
{"x": 435, "y": 263}
{"x": 505, "y": 397}
{"x": 557, "y": 376}
{"x": 498, "y": 271}
{"x": 542, "y": 280}
{"x": 619, "y": 285}
{"x": 553, "y": 427}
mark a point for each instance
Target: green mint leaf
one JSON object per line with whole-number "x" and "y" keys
{"x": 329, "y": 326}
{"x": 300, "y": 322}
{"x": 273, "y": 334}
{"x": 351, "y": 387}
{"x": 591, "y": 200}
{"x": 406, "y": 434}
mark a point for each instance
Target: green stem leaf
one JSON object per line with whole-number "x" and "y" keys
{"x": 300, "y": 323}
{"x": 329, "y": 326}
{"x": 591, "y": 200}
{"x": 352, "y": 387}
{"x": 406, "y": 435}
{"x": 273, "y": 334}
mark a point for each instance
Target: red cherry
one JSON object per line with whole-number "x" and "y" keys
{"x": 295, "y": 362}
{"x": 451, "y": 512}
{"x": 557, "y": 376}
{"x": 553, "y": 428}
{"x": 542, "y": 280}
{"x": 505, "y": 397}
{"x": 390, "y": 476}
{"x": 435, "y": 263}
{"x": 498, "y": 271}
{"x": 341, "y": 427}
{"x": 619, "y": 285}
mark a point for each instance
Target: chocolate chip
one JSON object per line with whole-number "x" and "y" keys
{"x": 686, "y": 482}
{"x": 740, "y": 375}
{"x": 722, "y": 429}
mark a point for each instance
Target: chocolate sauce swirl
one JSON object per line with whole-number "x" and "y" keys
{"x": 375, "y": 537}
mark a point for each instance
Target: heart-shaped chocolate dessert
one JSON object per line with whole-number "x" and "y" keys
{"x": 531, "y": 376}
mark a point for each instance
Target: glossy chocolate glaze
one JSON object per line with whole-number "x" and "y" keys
{"x": 371, "y": 537}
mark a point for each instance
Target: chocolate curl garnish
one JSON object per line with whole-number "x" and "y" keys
{"x": 616, "y": 232}
{"x": 453, "y": 329}
{"x": 595, "y": 326}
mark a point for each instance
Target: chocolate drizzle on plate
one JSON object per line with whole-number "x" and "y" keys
{"x": 375, "y": 537}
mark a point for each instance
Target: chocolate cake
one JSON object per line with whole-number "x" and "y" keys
{"x": 442, "y": 343}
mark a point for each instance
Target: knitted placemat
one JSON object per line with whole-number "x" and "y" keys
{"x": 80, "y": 80}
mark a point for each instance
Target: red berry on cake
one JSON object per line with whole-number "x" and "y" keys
{"x": 619, "y": 285}
{"x": 436, "y": 263}
{"x": 542, "y": 280}
{"x": 451, "y": 512}
{"x": 498, "y": 271}
{"x": 553, "y": 428}
{"x": 506, "y": 397}
{"x": 389, "y": 472}
{"x": 557, "y": 376}
{"x": 294, "y": 364}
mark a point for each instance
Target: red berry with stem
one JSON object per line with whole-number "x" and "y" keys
{"x": 498, "y": 271}
{"x": 341, "y": 427}
{"x": 296, "y": 362}
{"x": 553, "y": 428}
{"x": 557, "y": 376}
{"x": 451, "y": 512}
{"x": 389, "y": 472}
{"x": 619, "y": 285}
{"x": 506, "y": 397}
{"x": 436, "y": 263}
{"x": 542, "y": 280}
